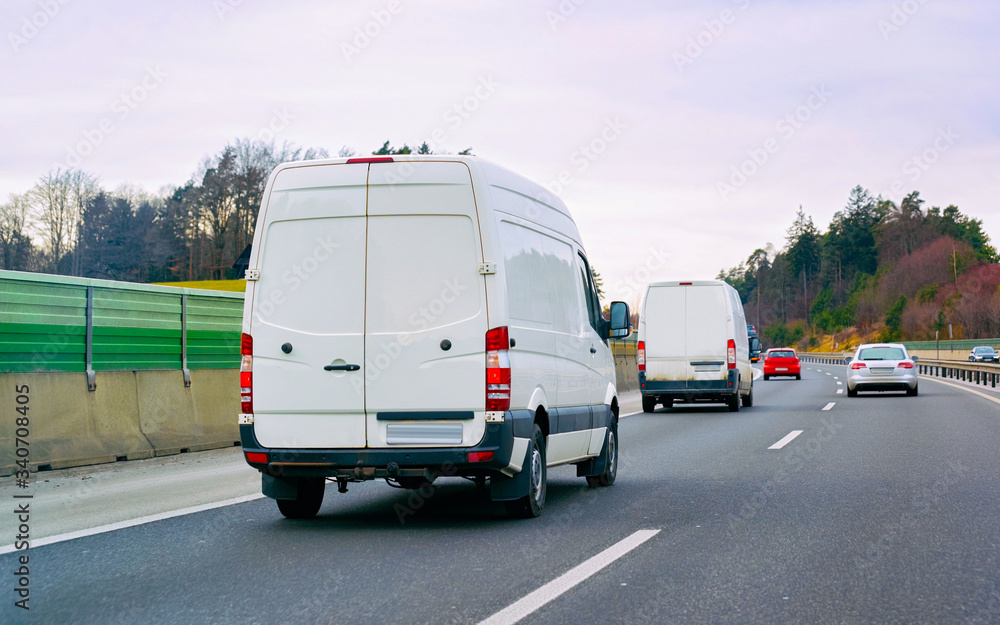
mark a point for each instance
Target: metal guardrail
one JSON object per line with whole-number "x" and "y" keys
{"x": 980, "y": 373}
{"x": 822, "y": 358}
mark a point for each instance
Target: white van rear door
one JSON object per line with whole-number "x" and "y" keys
{"x": 665, "y": 325}
{"x": 686, "y": 332}
{"x": 426, "y": 324}
{"x": 310, "y": 297}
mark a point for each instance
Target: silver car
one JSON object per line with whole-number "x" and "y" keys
{"x": 881, "y": 367}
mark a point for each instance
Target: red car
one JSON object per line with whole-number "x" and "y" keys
{"x": 782, "y": 361}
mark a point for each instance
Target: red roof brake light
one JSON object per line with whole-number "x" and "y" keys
{"x": 371, "y": 159}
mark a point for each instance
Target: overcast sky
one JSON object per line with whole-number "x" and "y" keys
{"x": 682, "y": 135}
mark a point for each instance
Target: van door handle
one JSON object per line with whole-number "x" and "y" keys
{"x": 341, "y": 367}
{"x": 593, "y": 350}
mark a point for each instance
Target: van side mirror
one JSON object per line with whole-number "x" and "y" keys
{"x": 621, "y": 322}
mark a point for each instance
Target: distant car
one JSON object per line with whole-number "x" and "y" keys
{"x": 984, "y": 353}
{"x": 782, "y": 361}
{"x": 881, "y": 367}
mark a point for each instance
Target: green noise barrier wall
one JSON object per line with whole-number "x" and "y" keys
{"x": 110, "y": 371}
{"x": 55, "y": 323}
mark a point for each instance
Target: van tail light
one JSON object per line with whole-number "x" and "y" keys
{"x": 246, "y": 374}
{"x": 497, "y": 370}
{"x": 257, "y": 457}
{"x": 731, "y": 353}
{"x": 640, "y": 355}
{"x": 858, "y": 365}
{"x": 905, "y": 365}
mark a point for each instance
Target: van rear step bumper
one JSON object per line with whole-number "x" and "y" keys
{"x": 688, "y": 389}
{"x": 370, "y": 464}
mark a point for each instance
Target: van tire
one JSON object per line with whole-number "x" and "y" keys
{"x": 611, "y": 465}
{"x": 668, "y": 403}
{"x": 308, "y": 500}
{"x": 531, "y": 505}
{"x": 734, "y": 402}
{"x": 648, "y": 403}
{"x": 748, "y": 398}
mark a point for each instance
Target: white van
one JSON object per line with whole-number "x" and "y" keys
{"x": 693, "y": 345}
{"x": 413, "y": 317}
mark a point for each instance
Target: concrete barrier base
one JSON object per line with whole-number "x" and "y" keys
{"x": 131, "y": 415}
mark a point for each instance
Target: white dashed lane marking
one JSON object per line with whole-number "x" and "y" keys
{"x": 534, "y": 600}
{"x": 791, "y": 436}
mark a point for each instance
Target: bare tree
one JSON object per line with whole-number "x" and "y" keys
{"x": 55, "y": 213}
{"x": 83, "y": 188}
{"x": 57, "y": 203}
{"x": 15, "y": 245}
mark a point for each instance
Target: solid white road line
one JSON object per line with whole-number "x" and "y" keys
{"x": 791, "y": 436}
{"x": 829, "y": 406}
{"x": 534, "y": 600}
{"x": 58, "y": 538}
{"x": 964, "y": 388}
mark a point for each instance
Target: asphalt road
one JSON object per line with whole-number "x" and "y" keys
{"x": 884, "y": 509}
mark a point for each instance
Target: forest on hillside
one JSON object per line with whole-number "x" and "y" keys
{"x": 885, "y": 270}
{"x": 896, "y": 271}
{"x": 68, "y": 224}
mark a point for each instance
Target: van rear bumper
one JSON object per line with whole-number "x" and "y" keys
{"x": 375, "y": 463}
{"x": 689, "y": 389}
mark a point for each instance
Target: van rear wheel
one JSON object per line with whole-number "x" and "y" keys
{"x": 531, "y": 504}
{"x": 611, "y": 467}
{"x": 648, "y": 403}
{"x": 308, "y": 500}
{"x": 734, "y": 402}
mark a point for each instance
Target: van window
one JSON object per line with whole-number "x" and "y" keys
{"x": 589, "y": 292}
{"x": 707, "y": 315}
{"x": 302, "y": 262}
{"x": 422, "y": 273}
{"x": 539, "y": 276}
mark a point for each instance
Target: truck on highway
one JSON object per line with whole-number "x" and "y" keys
{"x": 415, "y": 317}
{"x": 755, "y": 346}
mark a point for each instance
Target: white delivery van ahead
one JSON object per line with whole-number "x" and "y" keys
{"x": 409, "y": 318}
{"x": 693, "y": 345}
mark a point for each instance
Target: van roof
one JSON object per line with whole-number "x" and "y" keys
{"x": 495, "y": 175}
{"x": 690, "y": 283}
